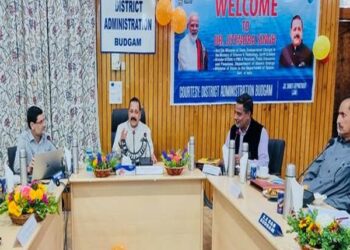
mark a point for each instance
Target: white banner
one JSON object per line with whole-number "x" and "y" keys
{"x": 128, "y": 26}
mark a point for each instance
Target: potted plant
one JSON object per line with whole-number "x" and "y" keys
{"x": 175, "y": 161}
{"x": 103, "y": 165}
{"x": 26, "y": 200}
{"x": 319, "y": 231}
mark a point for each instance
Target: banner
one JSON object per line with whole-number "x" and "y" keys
{"x": 128, "y": 26}
{"x": 261, "y": 47}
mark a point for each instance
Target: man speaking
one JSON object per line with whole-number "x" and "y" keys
{"x": 133, "y": 137}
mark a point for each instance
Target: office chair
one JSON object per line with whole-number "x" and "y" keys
{"x": 276, "y": 153}
{"x": 11, "y": 155}
{"x": 121, "y": 115}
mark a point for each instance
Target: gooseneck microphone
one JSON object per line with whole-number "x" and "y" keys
{"x": 329, "y": 144}
{"x": 149, "y": 149}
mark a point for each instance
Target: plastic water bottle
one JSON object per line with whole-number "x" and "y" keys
{"x": 191, "y": 151}
{"x": 88, "y": 155}
{"x": 23, "y": 165}
{"x": 231, "y": 156}
{"x": 287, "y": 204}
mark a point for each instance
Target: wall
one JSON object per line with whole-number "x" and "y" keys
{"x": 305, "y": 127}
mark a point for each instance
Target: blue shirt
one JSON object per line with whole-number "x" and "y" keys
{"x": 27, "y": 142}
{"x": 329, "y": 174}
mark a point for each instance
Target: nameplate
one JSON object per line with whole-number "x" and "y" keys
{"x": 125, "y": 170}
{"x": 235, "y": 191}
{"x": 270, "y": 225}
{"x": 149, "y": 170}
{"x": 27, "y": 230}
{"x": 212, "y": 170}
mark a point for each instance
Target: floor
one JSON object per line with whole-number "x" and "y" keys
{"x": 207, "y": 213}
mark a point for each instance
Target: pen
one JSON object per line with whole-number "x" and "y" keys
{"x": 342, "y": 218}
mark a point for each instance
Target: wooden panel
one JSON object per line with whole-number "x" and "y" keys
{"x": 305, "y": 127}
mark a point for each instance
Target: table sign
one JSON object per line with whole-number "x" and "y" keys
{"x": 235, "y": 191}
{"x": 210, "y": 169}
{"x": 27, "y": 230}
{"x": 270, "y": 225}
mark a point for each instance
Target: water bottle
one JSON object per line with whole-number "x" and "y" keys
{"x": 231, "y": 156}
{"x": 244, "y": 163}
{"x": 287, "y": 204}
{"x": 88, "y": 155}
{"x": 75, "y": 156}
{"x": 23, "y": 166}
{"x": 191, "y": 152}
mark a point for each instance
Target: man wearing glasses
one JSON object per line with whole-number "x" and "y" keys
{"x": 192, "y": 54}
{"x": 33, "y": 140}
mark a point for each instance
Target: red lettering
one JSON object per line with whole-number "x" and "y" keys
{"x": 273, "y": 10}
{"x": 230, "y": 6}
{"x": 245, "y": 12}
{"x": 237, "y": 8}
{"x": 220, "y": 7}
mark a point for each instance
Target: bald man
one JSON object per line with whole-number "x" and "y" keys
{"x": 329, "y": 173}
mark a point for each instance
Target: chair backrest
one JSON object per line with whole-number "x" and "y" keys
{"x": 121, "y": 115}
{"x": 276, "y": 153}
{"x": 11, "y": 154}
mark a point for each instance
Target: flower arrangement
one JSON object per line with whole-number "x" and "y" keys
{"x": 101, "y": 161}
{"x": 319, "y": 231}
{"x": 175, "y": 159}
{"x": 28, "y": 199}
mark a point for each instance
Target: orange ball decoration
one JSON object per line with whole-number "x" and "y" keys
{"x": 164, "y": 12}
{"x": 179, "y": 20}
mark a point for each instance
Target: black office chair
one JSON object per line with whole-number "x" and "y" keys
{"x": 276, "y": 153}
{"x": 11, "y": 154}
{"x": 121, "y": 115}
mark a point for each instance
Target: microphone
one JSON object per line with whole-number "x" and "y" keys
{"x": 146, "y": 160}
{"x": 329, "y": 144}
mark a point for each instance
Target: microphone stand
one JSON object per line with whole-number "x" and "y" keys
{"x": 329, "y": 144}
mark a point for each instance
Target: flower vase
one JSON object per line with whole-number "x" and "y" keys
{"x": 174, "y": 171}
{"x": 20, "y": 220}
{"x": 102, "y": 173}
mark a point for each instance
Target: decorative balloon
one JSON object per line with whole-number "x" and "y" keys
{"x": 164, "y": 12}
{"x": 321, "y": 48}
{"x": 179, "y": 20}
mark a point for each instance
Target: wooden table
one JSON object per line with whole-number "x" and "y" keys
{"x": 235, "y": 221}
{"x": 140, "y": 212}
{"x": 49, "y": 233}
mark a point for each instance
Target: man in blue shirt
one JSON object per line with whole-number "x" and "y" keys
{"x": 329, "y": 173}
{"x": 33, "y": 140}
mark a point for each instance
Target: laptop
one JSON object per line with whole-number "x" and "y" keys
{"x": 47, "y": 164}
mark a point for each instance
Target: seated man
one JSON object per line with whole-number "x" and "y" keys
{"x": 133, "y": 138}
{"x": 246, "y": 129}
{"x": 329, "y": 173}
{"x": 34, "y": 140}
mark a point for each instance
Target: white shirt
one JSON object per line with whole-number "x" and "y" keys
{"x": 263, "y": 153}
{"x": 134, "y": 138}
{"x": 187, "y": 55}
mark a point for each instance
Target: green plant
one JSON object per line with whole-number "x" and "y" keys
{"x": 319, "y": 231}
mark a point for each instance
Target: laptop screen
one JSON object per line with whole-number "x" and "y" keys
{"x": 47, "y": 164}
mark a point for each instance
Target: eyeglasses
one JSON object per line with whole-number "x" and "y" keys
{"x": 40, "y": 122}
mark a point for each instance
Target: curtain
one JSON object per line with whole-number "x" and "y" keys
{"x": 48, "y": 59}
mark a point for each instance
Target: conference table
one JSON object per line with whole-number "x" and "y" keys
{"x": 49, "y": 233}
{"x": 138, "y": 212}
{"x": 236, "y": 220}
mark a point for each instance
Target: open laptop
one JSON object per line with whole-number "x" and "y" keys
{"x": 47, "y": 164}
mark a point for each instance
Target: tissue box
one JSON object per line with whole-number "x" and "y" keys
{"x": 125, "y": 170}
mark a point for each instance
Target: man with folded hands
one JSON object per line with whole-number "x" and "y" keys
{"x": 329, "y": 173}
{"x": 133, "y": 137}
